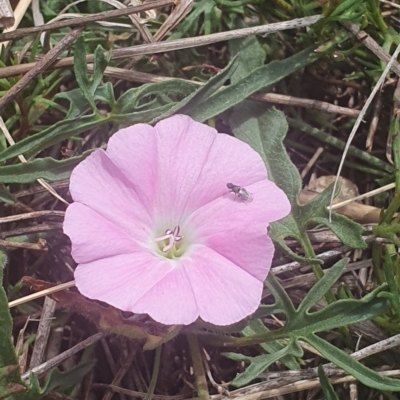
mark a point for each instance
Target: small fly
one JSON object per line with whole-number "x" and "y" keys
{"x": 240, "y": 192}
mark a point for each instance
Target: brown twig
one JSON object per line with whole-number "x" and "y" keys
{"x": 40, "y": 246}
{"x": 374, "y": 122}
{"x": 40, "y": 66}
{"x": 43, "y": 332}
{"x": 6, "y": 14}
{"x": 153, "y": 48}
{"x": 180, "y": 11}
{"x": 48, "y": 365}
{"x": 144, "y": 77}
{"x": 31, "y": 229}
{"x": 370, "y": 43}
{"x": 84, "y": 20}
{"x": 305, "y": 103}
{"x": 31, "y": 215}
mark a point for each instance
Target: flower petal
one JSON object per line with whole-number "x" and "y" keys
{"x": 121, "y": 280}
{"x": 224, "y": 292}
{"x": 207, "y": 162}
{"x": 134, "y": 151}
{"x": 183, "y": 146}
{"x": 238, "y": 230}
{"x": 94, "y": 237}
{"x": 171, "y": 300}
{"x": 229, "y": 161}
{"x": 99, "y": 184}
{"x": 204, "y": 285}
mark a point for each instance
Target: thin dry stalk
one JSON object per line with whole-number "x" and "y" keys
{"x": 43, "y": 293}
{"x": 370, "y": 43}
{"x": 40, "y": 66}
{"x": 296, "y": 387}
{"x": 121, "y": 372}
{"x": 359, "y": 119}
{"x": 20, "y": 33}
{"x": 43, "y": 332}
{"x": 177, "y": 15}
{"x": 40, "y": 246}
{"x": 32, "y": 215}
{"x": 362, "y": 196}
{"x": 312, "y": 161}
{"x": 274, "y": 98}
{"x": 374, "y": 122}
{"x": 19, "y": 13}
{"x": 48, "y": 365}
{"x": 179, "y": 44}
{"x": 22, "y": 158}
{"x": 6, "y": 14}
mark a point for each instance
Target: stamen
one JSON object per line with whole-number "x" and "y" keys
{"x": 172, "y": 236}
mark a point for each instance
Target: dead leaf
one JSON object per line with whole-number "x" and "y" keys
{"x": 359, "y": 212}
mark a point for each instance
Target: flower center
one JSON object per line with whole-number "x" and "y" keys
{"x": 169, "y": 243}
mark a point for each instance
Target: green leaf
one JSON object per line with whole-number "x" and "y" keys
{"x": 46, "y": 168}
{"x": 88, "y": 85}
{"x": 190, "y": 103}
{"x": 258, "y": 328}
{"x": 250, "y": 51}
{"x": 6, "y": 197}
{"x": 129, "y": 102}
{"x": 365, "y": 375}
{"x": 265, "y": 132}
{"x": 318, "y": 291}
{"x": 62, "y": 380}
{"x": 7, "y": 353}
{"x": 341, "y": 313}
{"x": 77, "y": 102}
{"x": 139, "y": 116}
{"x": 288, "y": 227}
{"x": 53, "y": 134}
{"x": 326, "y": 385}
{"x": 190, "y": 22}
{"x": 302, "y": 325}
{"x": 260, "y": 78}
{"x": 260, "y": 363}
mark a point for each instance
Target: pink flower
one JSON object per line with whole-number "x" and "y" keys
{"x": 155, "y": 229}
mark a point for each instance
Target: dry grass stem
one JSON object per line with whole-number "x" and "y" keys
{"x": 40, "y": 246}
{"x": 370, "y": 43}
{"x": 312, "y": 161}
{"x": 40, "y": 294}
{"x": 295, "y": 387}
{"x": 360, "y": 118}
{"x": 6, "y": 14}
{"x": 48, "y": 365}
{"x": 43, "y": 332}
{"x": 180, "y": 11}
{"x": 363, "y": 196}
{"x": 40, "y": 66}
{"x": 274, "y": 98}
{"x": 42, "y": 182}
{"x": 19, "y": 13}
{"x": 395, "y": 5}
{"x": 179, "y": 44}
{"x": 31, "y": 215}
{"x": 20, "y": 33}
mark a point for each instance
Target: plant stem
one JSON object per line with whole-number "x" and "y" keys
{"x": 154, "y": 376}
{"x": 198, "y": 368}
